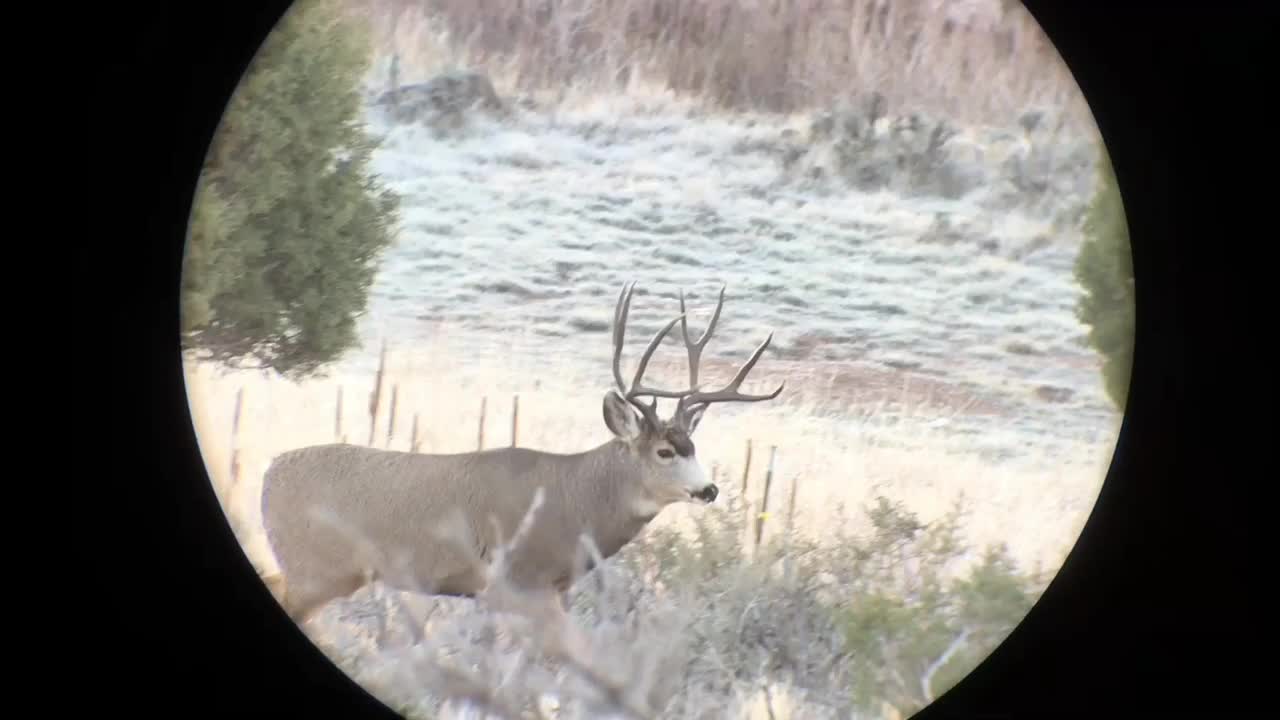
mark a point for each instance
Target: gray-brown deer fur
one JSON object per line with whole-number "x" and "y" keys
{"x": 397, "y": 503}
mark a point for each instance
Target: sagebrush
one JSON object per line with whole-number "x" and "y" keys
{"x": 704, "y": 625}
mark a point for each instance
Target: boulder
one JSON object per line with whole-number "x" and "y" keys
{"x": 444, "y": 100}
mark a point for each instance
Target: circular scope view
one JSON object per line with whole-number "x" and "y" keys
{"x": 657, "y": 358}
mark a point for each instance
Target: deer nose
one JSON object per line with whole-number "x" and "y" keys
{"x": 708, "y": 493}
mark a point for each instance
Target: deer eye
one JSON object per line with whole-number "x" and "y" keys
{"x": 665, "y": 453}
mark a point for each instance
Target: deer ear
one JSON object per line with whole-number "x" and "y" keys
{"x": 693, "y": 417}
{"x": 622, "y": 419}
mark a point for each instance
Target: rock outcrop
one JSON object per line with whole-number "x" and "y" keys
{"x": 444, "y": 102}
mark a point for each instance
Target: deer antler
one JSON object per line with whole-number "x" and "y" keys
{"x": 693, "y": 397}
{"x": 637, "y": 389}
{"x": 695, "y": 348}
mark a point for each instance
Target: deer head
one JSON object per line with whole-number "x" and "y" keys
{"x": 666, "y": 445}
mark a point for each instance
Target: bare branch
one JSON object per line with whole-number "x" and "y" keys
{"x": 926, "y": 680}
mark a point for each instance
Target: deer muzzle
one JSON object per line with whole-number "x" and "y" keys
{"x": 707, "y": 494}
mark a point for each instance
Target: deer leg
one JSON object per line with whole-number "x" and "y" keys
{"x": 400, "y": 609}
{"x": 380, "y": 618}
{"x": 301, "y": 600}
{"x": 275, "y": 585}
{"x": 298, "y": 608}
{"x": 301, "y": 610}
{"x": 415, "y": 623}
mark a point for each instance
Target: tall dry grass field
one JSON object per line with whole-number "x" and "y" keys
{"x": 979, "y": 61}
{"x": 836, "y": 461}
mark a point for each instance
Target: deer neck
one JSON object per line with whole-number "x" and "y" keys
{"x": 617, "y": 513}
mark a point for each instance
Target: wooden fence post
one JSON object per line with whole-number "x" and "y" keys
{"x": 376, "y": 397}
{"x": 515, "y": 418}
{"x": 789, "y": 570}
{"x": 480, "y": 437}
{"x": 391, "y": 416}
{"x": 337, "y": 417}
{"x": 235, "y": 442}
{"x": 764, "y": 496}
{"x": 791, "y": 504}
{"x": 746, "y": 502}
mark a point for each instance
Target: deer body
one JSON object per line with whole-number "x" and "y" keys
{"x": 340, "y": 516}
{"x": 399, "y": 502}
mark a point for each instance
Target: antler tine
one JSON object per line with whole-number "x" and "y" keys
{"x": 695, "y": 348}
{"x": 637, "y": 388}
{"x": 730, "y": 392}
{"x": 619, "y": 332}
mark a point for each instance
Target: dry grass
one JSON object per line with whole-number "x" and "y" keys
{"x": 982, "y": 61}
{"x": 674, "y": 624}
{"x": 839, "y": 459}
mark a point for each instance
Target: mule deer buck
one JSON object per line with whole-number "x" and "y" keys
{"x": 396, "y": 502}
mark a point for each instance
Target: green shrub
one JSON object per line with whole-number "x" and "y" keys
{"x": 1104, "y": 269}
{"x": 914, "y": 626}
{"x": 287, "y": 224}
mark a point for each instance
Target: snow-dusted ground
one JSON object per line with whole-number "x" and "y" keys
{"x": 929, "y": 346}
{"x": 518, "y": 237}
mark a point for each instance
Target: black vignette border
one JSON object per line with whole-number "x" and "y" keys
{"x": 1138, "y": 618}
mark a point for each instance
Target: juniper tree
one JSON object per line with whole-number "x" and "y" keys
{"x": 287, "y": 222}
{"x": 1104, "y": 269}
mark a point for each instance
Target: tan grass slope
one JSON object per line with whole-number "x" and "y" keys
{"x": 983, "y": 61}
{"x": 1038, "y": 508}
